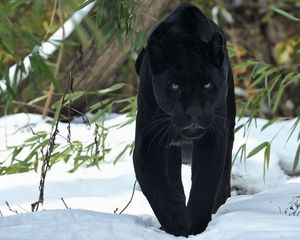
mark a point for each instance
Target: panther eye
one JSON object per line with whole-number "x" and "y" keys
{"x": 174, "y": 86}
{"x": 207, "y": 86}
{"x": 161, "y": 67}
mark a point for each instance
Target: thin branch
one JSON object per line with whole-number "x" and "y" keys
{"x": 38, "y": 141}
{"x": 133, "y": 190}
{"x": 46, "y": 164}
{"x": 72, "y": 145}
{"x": 10, "y": 209}
{"x": 65, "y": 203}
{"x": 70, "y": 90}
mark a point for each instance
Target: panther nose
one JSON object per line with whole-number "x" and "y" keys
{"x": 194, "y": 114}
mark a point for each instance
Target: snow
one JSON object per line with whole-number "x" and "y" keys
{"x": 268, "y": 211}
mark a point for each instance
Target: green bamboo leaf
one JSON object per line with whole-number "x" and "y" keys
{"x": 245, "y": 108}
{"x": 98, "y": 115}
{"x": 293, "y": 129}
{"x": 264, "y": 73}
{"x": 128, "y": 121}
{"x": 97, "y": 33}
{"x": 57, "y": 110}
{"x": 275, "y": 81}
{"x": 248, "y": 63}
{"x": 121, "y": 154}
{"x": 283, "y": 13}
{"x": 37, "y": 136}
{"x": 297, "y": 158}
{"x": 36, "y": 162}
{"x": 30, "y": 156}
{"x": 38, "y": 99}
{"x": 73, "y": 96}
{"x": 269, "y": 123}
{"x": 96, "y": 106}
{"x": 82, "y": 35}
{"x": 293, "y": 78}
{"x": 86, "y": 3}
{"x": 16, "y": 152}
{"x": 126, "y": 100}
{"x": 139, "y": 39}
{"x": 257, "y": 149}
{"x": 277, "y": 98}
{"x": 113, "y": 88}
{"x": 239, "y": 151}
{"x": 261, "y": 69}
{"x": 267, "y": 155}
{"x": 266, "y": 160}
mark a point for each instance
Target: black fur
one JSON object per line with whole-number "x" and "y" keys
{"x": 185, "y": 95}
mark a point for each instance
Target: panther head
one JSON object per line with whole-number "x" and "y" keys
{"x": 189, "y": 80}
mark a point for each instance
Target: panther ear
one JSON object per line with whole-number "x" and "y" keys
{"x": 216, "y": 49}
{"x": 139, "y": 61}
{"x": 155, "y": 50}
{"x": 156, "y": 55}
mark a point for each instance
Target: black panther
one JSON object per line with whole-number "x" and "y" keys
{"x": 186, "y": 94}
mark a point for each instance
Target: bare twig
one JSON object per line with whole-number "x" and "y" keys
{"x": 133, "y": 190}
{"x": 10, "y": 209}
{"x": 1, "y": 214}
{"x": 38, "y": 141}
{"x": 83, "y": 117}
{"x": 70, "y": 90}
{"x": 97, "y": 138}
{"x": 72, "y": 145}
{"x": 65, "y": 203}
{"x": 46, "y": 164}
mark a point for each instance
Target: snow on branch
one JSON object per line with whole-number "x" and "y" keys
{"x": 46, "y": 49}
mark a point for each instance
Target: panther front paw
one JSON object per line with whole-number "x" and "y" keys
{"x": 178, "y": 229}
{"x": 198, "y": 227}
{"x": 178, "y": 221}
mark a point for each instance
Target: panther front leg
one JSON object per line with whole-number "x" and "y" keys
{"x": 167, "y": 202}
{"x": 207, "y": 168}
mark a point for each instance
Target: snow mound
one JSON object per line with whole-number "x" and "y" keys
{"x": 79, "y": 224}
{"x": 271, "y": 214}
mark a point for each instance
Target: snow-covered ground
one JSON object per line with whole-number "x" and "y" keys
{"x": 271, "y": 210}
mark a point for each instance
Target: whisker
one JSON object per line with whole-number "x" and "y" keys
{"x": 219, "y": 123}
{"x": 174, "y": 133}
{"x": 150, "y": 127}
{"x": 163, "y": 137}
{"x": 219, "y": 128}
{"x": 213, "y": 130}
{"x": 171, "y": 133}
{"x": 156, "y": 135}
{"x": 219, "y": 116}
